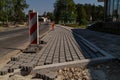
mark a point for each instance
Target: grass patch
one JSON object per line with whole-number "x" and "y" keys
{"x": 76, "y": 26}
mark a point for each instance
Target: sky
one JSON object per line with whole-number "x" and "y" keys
{"x": 48, "y": 5}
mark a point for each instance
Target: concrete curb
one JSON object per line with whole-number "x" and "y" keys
{"x": 85, "y": 62}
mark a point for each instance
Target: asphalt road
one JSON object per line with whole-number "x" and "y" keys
{"x": 11, "y": 40}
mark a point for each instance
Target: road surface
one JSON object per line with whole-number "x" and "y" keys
{"x": 10, "y": 40}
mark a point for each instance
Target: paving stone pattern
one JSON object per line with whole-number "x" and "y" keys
{"x": 62, "y": 46}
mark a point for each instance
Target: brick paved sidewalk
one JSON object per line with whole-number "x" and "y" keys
{"x": 62, "y": 46}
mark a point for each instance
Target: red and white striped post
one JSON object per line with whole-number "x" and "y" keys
{"x": 33, "y": 28}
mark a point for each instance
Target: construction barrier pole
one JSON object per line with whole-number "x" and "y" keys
{"x": 33, "y": 28}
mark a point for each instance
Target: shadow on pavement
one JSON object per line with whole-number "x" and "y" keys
{"x": 97, "y": 71}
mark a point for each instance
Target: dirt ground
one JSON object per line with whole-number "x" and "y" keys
{"x": 105, "y": 71}
{"x": 12, "y": 27}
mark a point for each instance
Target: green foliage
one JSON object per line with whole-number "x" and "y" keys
{"x": 89, "y": 12}
{"x": 12, "y": 10}
{"x": 97, "y": 13}
{"x": 50, "y": 16}
{"x": 84, "y": 22}
{"x": 75, "y": 25}
{"x": 64, "y": 11}
{"x": 81, "y": 15}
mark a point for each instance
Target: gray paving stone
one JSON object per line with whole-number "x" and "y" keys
{"x": 40, "y": 63}
{"x": 16, "y": 58}
{"x": 15, "y": 66}
{"x": 3, "y": 71}
{"x": 61, "y": 47}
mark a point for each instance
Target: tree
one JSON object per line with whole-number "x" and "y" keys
{"x": 88, "y": 10}
{"x": 2, "y": 10}
{"x": 89, "y": 13}
{"x": 64, "y": 10}
{"x": 94, "y": 12}
{"x": 100, "y": 13}
{"x": 19, "y": 6}
{"x": 50, "y": 16}
{"x": 12, "y": 10}
{"x": 81, "y": 14}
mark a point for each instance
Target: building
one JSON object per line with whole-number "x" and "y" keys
{"x": 43, "y": 19}
{"x": 112, "y": 10}
{"x": 111, "y": 23}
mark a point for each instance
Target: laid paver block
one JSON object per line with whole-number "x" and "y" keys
{"x": 40, "y": 63}
{"x": 62, "y": 60}
{"x": 15, "y": 66}
{"x": 62, "y": 56}
{"x": 15, "y": 58}
{"x": 68, "y": 55}
{"x": 56, "y": 56}
{"x": 75, "y": 57}
{"x": 18, "y": 63}
{"x": 27, "y": 67}
{"x": 3, "y": 71}
{"x": 42, "y": 60}
{"x": 48, "y": 61}
{"x": 34, "y": 62}
{"x": 11, "y": 62}
{"x": 50, "y": 56}
{"x": 6, "y": 69}
{"x": 69, "y": 59}
{"x": 35, "y": 59}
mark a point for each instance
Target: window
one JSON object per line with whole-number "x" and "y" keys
{"x": 115, "y": 9}
{"x": 118, "y": 10}
{"x": 108, "y": 8}
{"x": 111, "y": 7}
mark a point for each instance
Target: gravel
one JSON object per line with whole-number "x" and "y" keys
{"x": 73, "y": 73}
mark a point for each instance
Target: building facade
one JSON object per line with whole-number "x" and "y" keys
{"x": 112, "y": 10}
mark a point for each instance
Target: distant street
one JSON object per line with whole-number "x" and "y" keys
{"x": 15, "y": 38}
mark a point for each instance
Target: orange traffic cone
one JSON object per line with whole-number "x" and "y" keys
{"x": 53, "y": 24}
